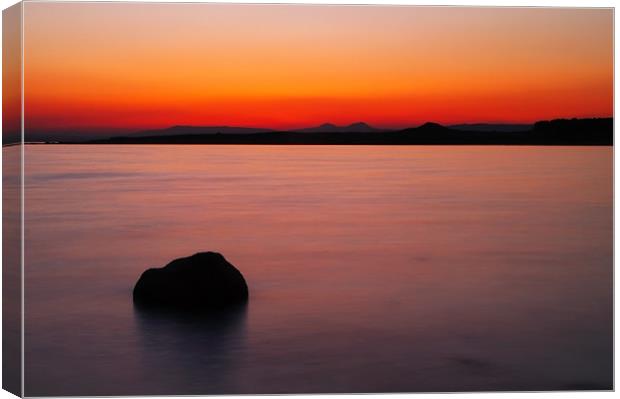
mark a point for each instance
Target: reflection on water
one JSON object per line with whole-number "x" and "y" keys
{"x": 191, "y": 350}
{"x": 371, "y": 269}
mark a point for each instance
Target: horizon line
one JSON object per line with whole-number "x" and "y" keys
{"x": 94, "y": 129}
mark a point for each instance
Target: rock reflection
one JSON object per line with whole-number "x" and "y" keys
{"x": 200, "y": 353}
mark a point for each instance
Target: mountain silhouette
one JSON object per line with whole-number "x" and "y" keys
{"x": 586, "y": 131}
{"x": 593, "y": 131}
{"x": 357, "y": 127}
{"x": 362, "y": 127}
{"x": 428, "y": 127}
{"x": 188, "y": 129}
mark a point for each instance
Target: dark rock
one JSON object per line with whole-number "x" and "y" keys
{"x": 202, "y": 281}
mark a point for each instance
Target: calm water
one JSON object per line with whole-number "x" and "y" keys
{"x": 371, "y": 269}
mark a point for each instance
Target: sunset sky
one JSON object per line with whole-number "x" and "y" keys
{"x": 134, "y": 66}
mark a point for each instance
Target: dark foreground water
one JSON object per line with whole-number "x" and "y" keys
{"x": 371, "y": 269}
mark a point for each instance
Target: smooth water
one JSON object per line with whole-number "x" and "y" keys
{"x": 371, "y": 268}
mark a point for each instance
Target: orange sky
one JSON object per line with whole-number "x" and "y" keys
{"x": 111, "y": 65}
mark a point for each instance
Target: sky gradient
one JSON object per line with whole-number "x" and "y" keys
{"x": 133, "y": 66}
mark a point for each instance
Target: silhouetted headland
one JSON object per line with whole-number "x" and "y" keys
{"x": 591, "y": 131}
{"x": 204, "y": 281}
{"x": 493, "y": 127}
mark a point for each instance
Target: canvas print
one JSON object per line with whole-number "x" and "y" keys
{"x": 207, "y": 199}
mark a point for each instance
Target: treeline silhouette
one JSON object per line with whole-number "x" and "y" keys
{"x": 591, "y": 131}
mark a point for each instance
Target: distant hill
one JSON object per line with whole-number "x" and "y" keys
{"x": 191, "y": 130}
{"x": 597, "y": 131}
{"x": 358, "y": 127}
{"x": 588, "y": 131}
{"x": 492, "y": 127}
{"x": 185, "y": 129}
{"x": 429, "y": 127}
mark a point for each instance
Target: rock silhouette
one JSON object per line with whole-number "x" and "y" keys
{"x": 205, "y": 280}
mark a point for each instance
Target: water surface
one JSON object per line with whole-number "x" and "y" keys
{"x": 371, "y": 268}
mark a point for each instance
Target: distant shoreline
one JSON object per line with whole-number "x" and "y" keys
{"x": 320, "y": 144}
{"x": 559, "y": 132}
